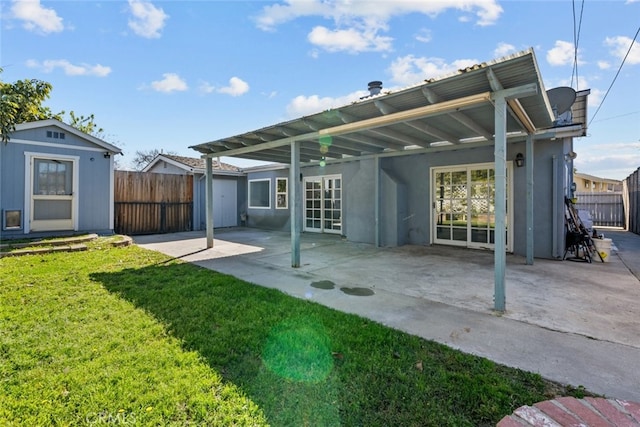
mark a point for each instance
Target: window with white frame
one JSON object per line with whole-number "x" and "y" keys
{"x": 260, "y": 194}
{"x": 282, "y": 198}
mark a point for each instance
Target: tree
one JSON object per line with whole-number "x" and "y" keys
{"x": 144, "y": 157}
{"x": 22, "y": 102}
{"x": 86, "y": 124}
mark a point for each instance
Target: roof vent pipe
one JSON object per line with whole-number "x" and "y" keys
{"x": 375, "y": 87}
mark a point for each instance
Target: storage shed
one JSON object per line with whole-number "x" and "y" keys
{"x": 55, "y": 179}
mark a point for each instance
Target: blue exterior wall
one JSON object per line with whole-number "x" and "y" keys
{"x": 405, "y": 212}
{"x": 94, "y": 172}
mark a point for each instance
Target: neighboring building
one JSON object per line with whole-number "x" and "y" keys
{"x": 55, "y": 179}
{"x": 418, "y": 165}
{"x": 592, "y": 184}
{"x": 229, "y": 188}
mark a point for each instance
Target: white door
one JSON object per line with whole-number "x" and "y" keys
{"x": 52, "y": 193}
{"x": 323, "y": 204}
{"x": 463, "y": 201}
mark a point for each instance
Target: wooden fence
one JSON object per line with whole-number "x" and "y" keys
{"x": 148, "y": 203}
{"x": 632, "y": 193}
{"x": 606, "y": 209}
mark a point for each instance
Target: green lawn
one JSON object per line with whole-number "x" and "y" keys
{"x": 127, "y": 336}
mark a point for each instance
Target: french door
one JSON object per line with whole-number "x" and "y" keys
{"x": 323, "y": 204}
{"x": 52, "y": 193}
{"x": 463, "y": 201}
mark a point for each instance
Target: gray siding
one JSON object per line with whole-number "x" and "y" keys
{"x": 405, "y": 213}
{"x": 164, "y": 167}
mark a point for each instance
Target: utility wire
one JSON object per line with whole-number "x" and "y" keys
{"x": 616, "y": 76}
{"x": 576, "y": 41}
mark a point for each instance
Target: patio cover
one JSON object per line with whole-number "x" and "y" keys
{"x": 488, "y": 103}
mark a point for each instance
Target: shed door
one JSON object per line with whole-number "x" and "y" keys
{"x": 225, "y": 203}
{"x": 53, "y": 194}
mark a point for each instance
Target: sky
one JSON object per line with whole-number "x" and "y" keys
{"x": 169, "y": 74}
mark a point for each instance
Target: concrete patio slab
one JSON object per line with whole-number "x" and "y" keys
{"x": 573, "y": 322}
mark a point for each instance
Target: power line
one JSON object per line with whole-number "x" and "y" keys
{"x": 616, "y": 76}
{"x": 576, "y": 41}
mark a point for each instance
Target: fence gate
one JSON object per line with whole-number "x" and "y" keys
{"x": 606, "y": 209}
{"x": 149, "y": 203}
{"x": 632, "y": 193}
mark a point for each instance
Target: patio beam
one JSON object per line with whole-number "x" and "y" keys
{"x": 209, "y": 199}
{"x": 295, "y": 194}
{"x": 500, "y": 149}
{"x": 265, "y": 145}
{"x": 408, "y": 115}
{"x": 500, "y": 99}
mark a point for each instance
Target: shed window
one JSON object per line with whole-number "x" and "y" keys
{"x": 281, "y": 193}
{"x": 260, "y": 194}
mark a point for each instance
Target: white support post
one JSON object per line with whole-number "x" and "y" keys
{"x": 529, "y": 173}
{"x": 209, "y": 200}
{"x": 295, "y": 203}
{"x": 500, "y": 149}
{"x": 376, "y": 174}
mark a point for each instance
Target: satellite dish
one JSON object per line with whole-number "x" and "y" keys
{"x": 561, "y": 99}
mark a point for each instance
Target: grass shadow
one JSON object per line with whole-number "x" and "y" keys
{"x": 306, "y": 364}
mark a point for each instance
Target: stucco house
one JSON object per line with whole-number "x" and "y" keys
{"x": 477, "y": 158}
{"x": 586, "y": 183}
{"x": 229, "y": 188}
{"x": 55, "y": 179}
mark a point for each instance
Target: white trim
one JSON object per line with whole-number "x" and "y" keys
{"x": 172, "y": 162}
{"x": 111, "y": 194}
{"x": 67, "y": 128}
{"x": 28, "y": 185}
{"x": 321, "y": 179}
{"x": 53, "y": 144}
{"x": 467, "y": 243}
{"x": 249, "y": 193}
{"x": 286, "y": 193}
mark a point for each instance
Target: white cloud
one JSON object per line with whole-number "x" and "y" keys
{"x": 236, "y": 87}
{"x": 612, "y": 160}
{"x": 503, "y": 49}
{"x": 37, "y": 18}
{"x": 350, "y": 40}
{"x": 562, "y": 54}
{"x": 147, "y": 20}
{"x": 70, "y": 69}
{"x": 604, "y": 65}
{"x": 424, "y": 35}
{"x": 305, "y": 105}
{"x": 620, "y": 46}
{"x": 206, "y": 87}
{"x": 171, "y": 82}
{"x": 358, "y": 24}
{"x": 408, "y": 70}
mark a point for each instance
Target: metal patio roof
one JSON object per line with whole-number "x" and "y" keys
{"x": 455, "y": 109}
